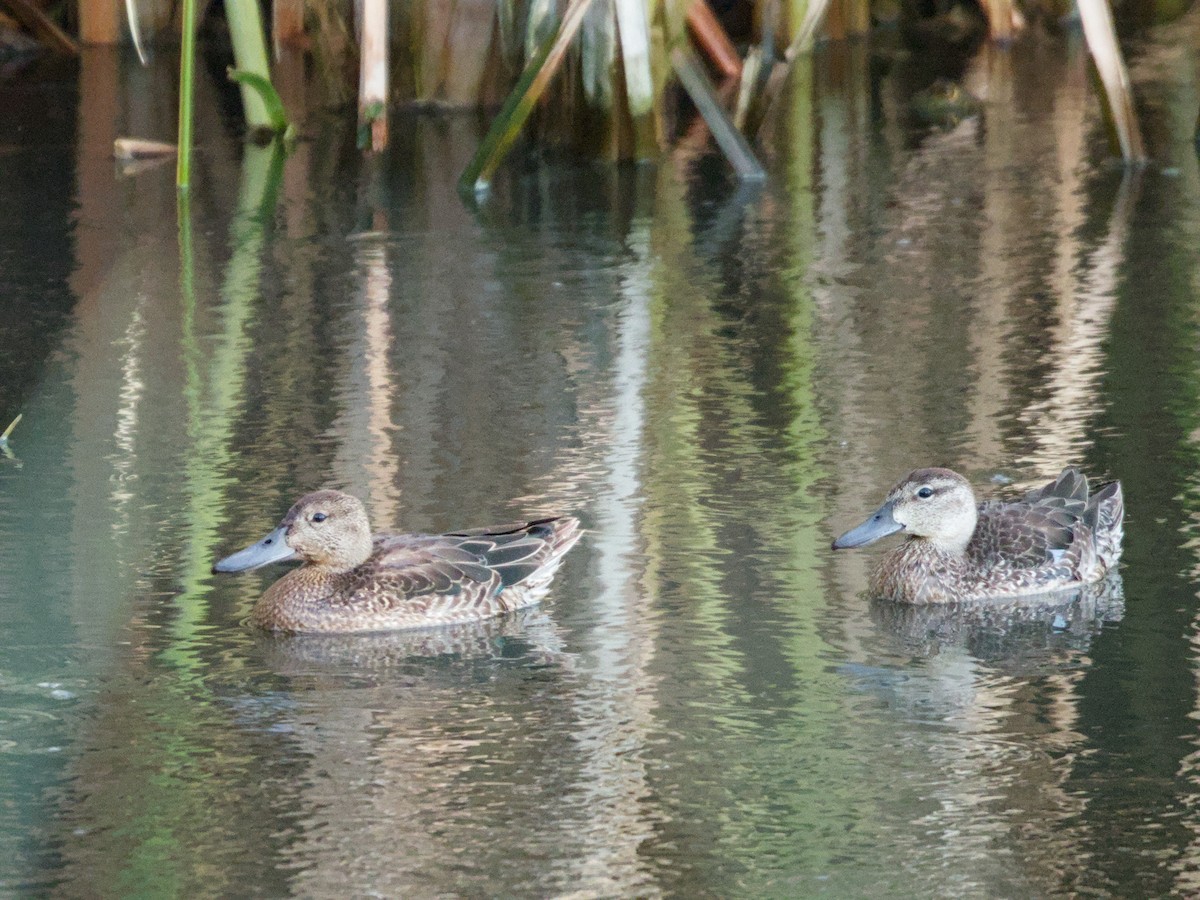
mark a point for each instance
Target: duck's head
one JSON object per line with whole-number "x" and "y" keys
{"x": 934, "y": 504}
{"x": 325, "y": 528}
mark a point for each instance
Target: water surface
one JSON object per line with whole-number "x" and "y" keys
{"x": 717, "y": 379}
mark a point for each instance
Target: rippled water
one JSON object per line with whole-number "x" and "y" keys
{"x": 717, "y": 380}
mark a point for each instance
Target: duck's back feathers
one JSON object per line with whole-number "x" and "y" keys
{"x": 1068, "y": 489}
{"x": 519, "y": 551}
{"x": 1035, "y": 530}
{"x": 408, "y": 565}
{"x": 1055, "y": 533}
{"x": 1020, "y": 536}
{"x": 499, "y": 557}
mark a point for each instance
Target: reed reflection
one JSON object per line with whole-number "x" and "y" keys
{"x": 983, "y": 346}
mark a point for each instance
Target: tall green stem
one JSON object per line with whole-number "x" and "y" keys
{"x": 187, "y": 90}
{"x": 249, "y": 55}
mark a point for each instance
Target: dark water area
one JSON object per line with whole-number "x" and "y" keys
{"x": 717, "y": 379}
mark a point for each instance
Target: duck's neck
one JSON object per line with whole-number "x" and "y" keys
{"x": 345, "y": 557}
{"x": 336, "y": 568}
{"x": 918, "y": 547}
{"x": 954, "y": 541}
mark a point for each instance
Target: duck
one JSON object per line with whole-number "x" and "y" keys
{"x": 1055, "y": 537}
{"x": 353, "y": 581}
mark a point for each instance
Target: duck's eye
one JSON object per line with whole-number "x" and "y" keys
{"x": 925, "y": 493}
{"x": 318, "y": 517}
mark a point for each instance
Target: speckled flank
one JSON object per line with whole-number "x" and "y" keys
{"x": 1054, "y": 537}
{"x": 353, "y": 582}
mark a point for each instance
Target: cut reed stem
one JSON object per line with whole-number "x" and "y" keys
{"x": 9, "y": 429}
{"x": 1101, "y": 37}
{"x": 373, "y": 76}
{"x": 729, "y": 139}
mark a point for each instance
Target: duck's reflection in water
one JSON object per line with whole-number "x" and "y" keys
{"x": 981, "y": 702}
{"x": 413, "y": 745}
{"x": 525, "y": 638}
{"x": 1015, "y": 635}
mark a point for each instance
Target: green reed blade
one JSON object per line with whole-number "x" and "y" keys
{"x": 187, "y": 93}
{"x": 249, "y": 55}
{"x": 477, "y": 177}
{"x": 277, "y": 120}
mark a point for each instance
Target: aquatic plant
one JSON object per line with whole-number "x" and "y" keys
{"x": 260, "y": 103}
{"x": 5, "y": 450}
{"x": 373, "y": 76}
{"x": 42, "y": 27}
{"x": 9, "y": 430}
{"x": 517, "y": 108}
{"x": 187, "y": 93}
{"x": 1101, "y": 36}
{"x": 276, "y": 117}
{"x": 250, "y": 55}
{"x": 724, "y": 131}
{"x": 598, "y": 75}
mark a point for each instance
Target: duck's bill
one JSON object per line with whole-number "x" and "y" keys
{"x": 271, "y": 549}
{"x": 881, "y": 524}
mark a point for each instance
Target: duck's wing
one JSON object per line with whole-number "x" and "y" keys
{"x": 1069, "y": 488}
{"x": 1049, "y": 525}
{"x": 437, "y": 573}
{"x": 521, "y": 550}
{"x": 419, "y": 579}
{"x": 1025, "y": 536}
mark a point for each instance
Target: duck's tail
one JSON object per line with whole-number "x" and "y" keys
{"x": 525, "y": 555}
{"x": 1102, "y": 512}
{"x": 1105, "y": 516}
{"x": 560, "y": 536}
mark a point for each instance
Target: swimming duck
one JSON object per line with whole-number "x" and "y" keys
{"x": 957, "y": 549}
{"x": 352, "y": 581}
